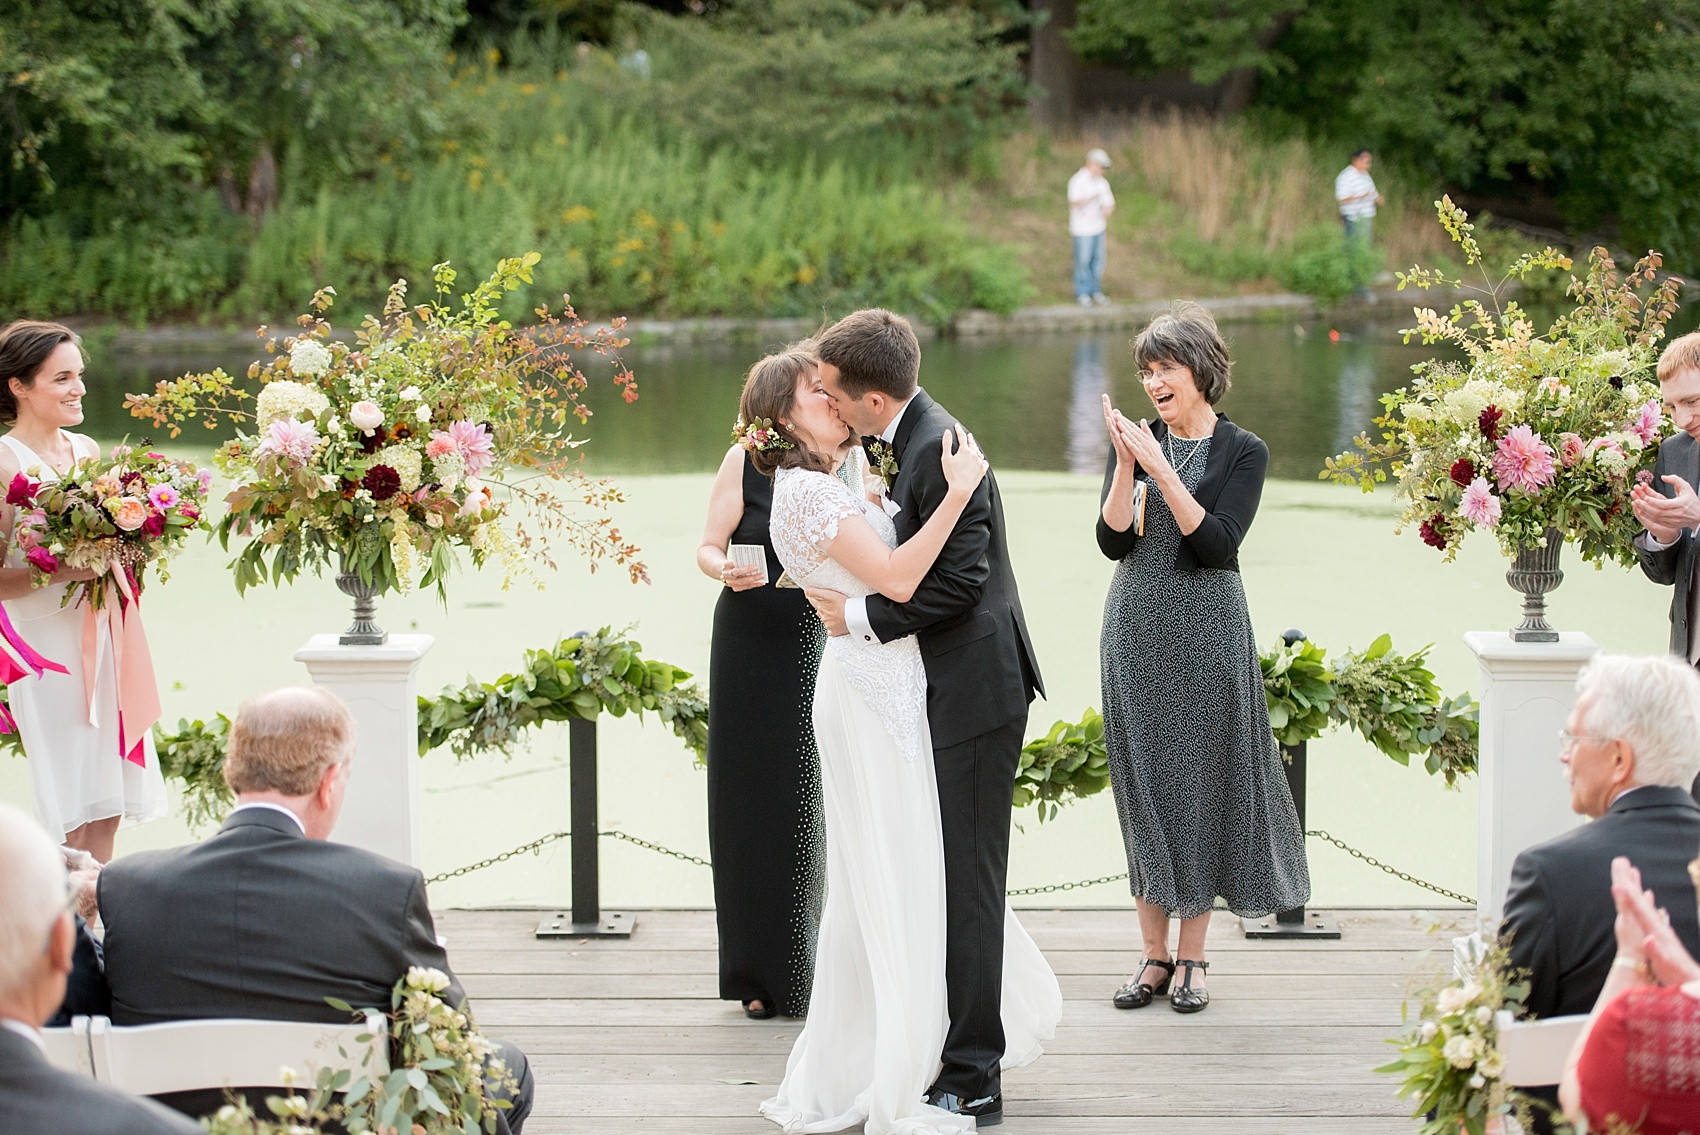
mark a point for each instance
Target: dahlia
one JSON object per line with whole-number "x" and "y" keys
{"x": 1480, "y": 506}
{"x": 1523, "y": 461}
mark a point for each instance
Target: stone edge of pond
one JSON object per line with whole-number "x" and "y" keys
{"x": 173, "y": 340}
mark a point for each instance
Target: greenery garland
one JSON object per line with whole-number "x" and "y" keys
{"x": 1389, "y": 699}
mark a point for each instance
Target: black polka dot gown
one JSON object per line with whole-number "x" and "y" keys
{"x": 1196, "y": 774}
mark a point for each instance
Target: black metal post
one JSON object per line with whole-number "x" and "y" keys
{"x": 1295, "y": 923}
{"x": 588, "y": 920}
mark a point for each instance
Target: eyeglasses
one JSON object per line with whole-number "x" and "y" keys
{"x": 1160, "y": 371}
{"x": 1567, "y": 740}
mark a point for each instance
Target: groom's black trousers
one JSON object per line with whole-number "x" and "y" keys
{"x": 976, "y": 779}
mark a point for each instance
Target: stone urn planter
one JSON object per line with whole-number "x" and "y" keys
{"x": 364, "y": 630}
{"x": 1534, "y": 572}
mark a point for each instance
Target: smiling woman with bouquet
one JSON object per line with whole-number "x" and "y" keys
{"x": 79, "y": 531}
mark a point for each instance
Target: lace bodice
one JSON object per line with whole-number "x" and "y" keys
{"x": 807, "y": 510}
{"x": 808, "y": 507}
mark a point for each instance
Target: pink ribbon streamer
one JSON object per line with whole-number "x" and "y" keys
{"x": 12, "y": 669}
{"x": 138, "y": 691}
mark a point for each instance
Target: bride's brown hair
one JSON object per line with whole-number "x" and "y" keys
{"x": 770, "y": 393}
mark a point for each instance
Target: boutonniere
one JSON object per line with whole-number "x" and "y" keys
{"x": 884, "y": 461}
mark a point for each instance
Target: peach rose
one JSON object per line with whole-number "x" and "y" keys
{"x": 128, "y": 513}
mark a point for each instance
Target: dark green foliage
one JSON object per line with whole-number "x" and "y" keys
{"x": 1598, "y": 101}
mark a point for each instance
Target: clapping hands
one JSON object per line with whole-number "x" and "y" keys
{"x": 1643, "y": 930}
{"x": 1136, "y": 446}
{"x": 1666, "y": 517}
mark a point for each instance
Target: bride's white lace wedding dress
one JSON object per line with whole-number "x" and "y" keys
{"x": 877, "y": 1016}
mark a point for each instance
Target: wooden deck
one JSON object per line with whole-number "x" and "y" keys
{"x": 627, "y": 1036}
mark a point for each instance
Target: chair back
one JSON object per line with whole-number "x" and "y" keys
{"x": 181, "y": 1056}
{"x": 1536, "y": 1051}
{"x": 68, "y": 1048}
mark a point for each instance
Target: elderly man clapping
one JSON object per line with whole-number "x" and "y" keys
{"x": 37, "y": 938}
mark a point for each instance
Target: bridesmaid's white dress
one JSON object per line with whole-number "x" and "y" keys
{"x": 77, "y": 773}
{"x": 877, "y": 1015}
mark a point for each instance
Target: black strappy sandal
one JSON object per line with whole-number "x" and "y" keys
{"x": 766, "y": 1012}
{"x": 1136, "y": 994}
{"x": 1186, "y": 999}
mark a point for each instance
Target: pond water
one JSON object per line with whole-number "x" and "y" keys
{"x": 1033, "y": 402}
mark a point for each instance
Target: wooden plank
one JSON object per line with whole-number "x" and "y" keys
{"x": 1013, "y": 1125}
{"x": 500, "y": 1013}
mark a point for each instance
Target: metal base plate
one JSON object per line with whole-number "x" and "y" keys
{"x": 614, "y": 924}
{"x": 1315, "y": 925}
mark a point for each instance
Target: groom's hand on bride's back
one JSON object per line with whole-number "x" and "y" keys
{"x": 829, "y": 605}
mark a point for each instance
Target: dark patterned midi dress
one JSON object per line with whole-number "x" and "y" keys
{"x": 766, "y": 834}
{"x": 1199, "y": 787}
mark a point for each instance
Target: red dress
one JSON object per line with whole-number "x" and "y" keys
{"x": 1641, "y": 1064}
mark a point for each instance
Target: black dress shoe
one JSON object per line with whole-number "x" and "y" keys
{"x": 767, "y": 1011}
{"x": 1137, "y": 994}
{"x": 1186, "y": 999}
{"x": 986, "y": 1112}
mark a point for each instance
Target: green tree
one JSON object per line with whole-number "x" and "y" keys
{"x": 1597, "y": 100}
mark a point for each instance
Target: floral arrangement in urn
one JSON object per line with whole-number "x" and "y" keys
{"x": 438, "y": 429}
{"x": 112, "y": 516}
{"x": 1537, "y": 438}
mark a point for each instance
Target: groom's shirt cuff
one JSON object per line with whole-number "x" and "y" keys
{"x": 856, "y": 618}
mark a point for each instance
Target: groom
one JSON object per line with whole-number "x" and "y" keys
{"x": 981, "y": 674}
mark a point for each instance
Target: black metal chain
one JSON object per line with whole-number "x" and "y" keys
{"x": 1394, "y": 871}
{"x": 1051, "y": 888}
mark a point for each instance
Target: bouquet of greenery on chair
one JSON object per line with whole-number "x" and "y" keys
{"x": 383, "y": 458}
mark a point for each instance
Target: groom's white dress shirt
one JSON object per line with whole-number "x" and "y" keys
{"x": 856, "y": 609}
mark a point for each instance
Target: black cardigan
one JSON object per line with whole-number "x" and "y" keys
{"x": 1229, "y": 494}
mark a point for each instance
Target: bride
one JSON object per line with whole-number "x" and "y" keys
{"x": 877, "y": 1014}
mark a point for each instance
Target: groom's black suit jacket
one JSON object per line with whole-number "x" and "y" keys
{"x": 966, "y": 614}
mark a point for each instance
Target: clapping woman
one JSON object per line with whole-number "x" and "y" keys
{"x": 765, "y": 829}
{"x": 1203, "y": 802}
{"x": 83, "y": 781}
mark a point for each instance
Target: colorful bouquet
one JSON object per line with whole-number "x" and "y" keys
{"x": 1527, "y": 433}
{"x": 113, "y": 517}
{"x": 383, "y": 457}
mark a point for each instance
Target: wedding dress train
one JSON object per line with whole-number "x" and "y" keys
{"x": 877, "y": 1015}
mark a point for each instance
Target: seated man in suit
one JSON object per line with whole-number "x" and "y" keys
{"x": 1631, "y": 750}
{"x": 36, "y": 941}
{"x": 268, "y": 918}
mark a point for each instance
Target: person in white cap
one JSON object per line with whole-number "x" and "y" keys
{"x": 1090, "y": 204}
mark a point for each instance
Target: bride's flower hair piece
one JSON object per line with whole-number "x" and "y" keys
{"x": 765, "y": 409}
{"x": 759, "y": 436}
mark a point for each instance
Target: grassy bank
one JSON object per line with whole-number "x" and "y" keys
{"x": 639, "y": 218}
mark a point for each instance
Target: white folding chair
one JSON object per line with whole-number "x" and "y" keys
{"x": 68, "y": 1048}
{"x": 181, "y": 1056}
{"x": 1535, "y": 1051}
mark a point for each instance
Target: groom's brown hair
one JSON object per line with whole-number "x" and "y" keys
{"x": 873, "y": 349}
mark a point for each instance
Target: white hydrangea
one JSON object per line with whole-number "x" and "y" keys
{"x": 1613, "y": 461}
{"x": 407, "y": 463}
{"x": 309, "y": 357}
{"x": 1607, "y": 363}
{"x": 448, "y": 470}
{"x": 282, "y": 400}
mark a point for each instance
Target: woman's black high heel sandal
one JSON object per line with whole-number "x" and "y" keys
{"x": 1136, "y": 994}
{"x": 1186, "y": 999}
{"x": 767, "y": 1010}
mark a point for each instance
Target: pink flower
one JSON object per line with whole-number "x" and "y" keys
{"x": 1522, "y": 460}
{"x": 163, "y": 497}
{"x": 128, "y": 513}
{"x": 1647, "y": 421}
{"x": 22, "y": 490}
{"x": 27, "y": 537}
{"x": 205, "y": 478}
{"x": 291, "y": 440}
{"x": 154, "y": 525}
{"x": 477, "y": 445}
{"x": 42, "y": 560}
{"x": 1571, "y": 448}
{"x": 440, "y": 444}
{"x": 366, "y": 416}
{"x": 1479, "y": 505}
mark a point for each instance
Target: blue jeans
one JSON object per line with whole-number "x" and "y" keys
{"x": 1359, "y": 228}
{"x": 1088, "y": 265}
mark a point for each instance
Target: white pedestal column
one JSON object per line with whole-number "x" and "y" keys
{"x": 380, "y": 684}
{"x": 1528, "y": 689}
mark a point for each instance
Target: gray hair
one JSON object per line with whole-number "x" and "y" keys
{"x": 1653, "y": 704}
{"x": 33, "y": 894}
{"x": 1186, "y": 335}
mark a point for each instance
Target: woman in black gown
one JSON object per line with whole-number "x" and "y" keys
{"x": 766, "y": 833}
